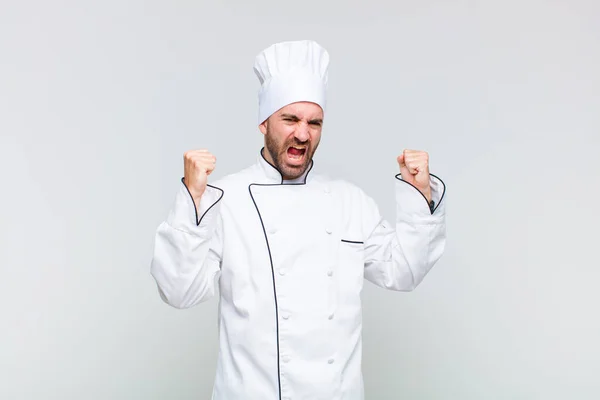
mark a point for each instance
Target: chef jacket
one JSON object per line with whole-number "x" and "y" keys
{"x": 289, "y": 260}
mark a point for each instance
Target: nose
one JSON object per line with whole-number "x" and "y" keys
{"x": 302, "y": 132}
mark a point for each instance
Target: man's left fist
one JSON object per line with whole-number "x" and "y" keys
{"x": 414, "y": 168}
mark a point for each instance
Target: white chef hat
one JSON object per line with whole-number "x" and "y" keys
{"x": 290, "y": 72}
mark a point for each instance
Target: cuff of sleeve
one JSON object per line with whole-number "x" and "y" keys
{"x": 187, "y": 217}
{"x": 410, "y": 200}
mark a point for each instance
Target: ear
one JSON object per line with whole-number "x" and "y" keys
{"x": 263, "y": 127}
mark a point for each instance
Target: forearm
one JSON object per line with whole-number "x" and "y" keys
{"x": 399, "y": 255}
{"x": 187, "y": 249}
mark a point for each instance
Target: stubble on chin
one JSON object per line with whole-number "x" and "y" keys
{"x": 278, "y": 155}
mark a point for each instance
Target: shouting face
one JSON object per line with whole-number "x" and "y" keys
{"x": 292, "y": 135}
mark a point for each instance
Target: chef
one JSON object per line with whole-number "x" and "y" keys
{"x": 289, "y": 249}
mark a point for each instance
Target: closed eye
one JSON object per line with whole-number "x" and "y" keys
{"x": 290, "y": 118}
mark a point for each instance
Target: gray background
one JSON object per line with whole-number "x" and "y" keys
{"x": 99, "y": 100}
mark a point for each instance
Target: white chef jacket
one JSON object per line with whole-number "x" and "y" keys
{"x": 290, "y": 259}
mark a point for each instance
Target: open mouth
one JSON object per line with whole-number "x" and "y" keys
{"x": 296, "y": 153}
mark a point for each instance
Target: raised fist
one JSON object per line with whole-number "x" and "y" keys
{"x": 197, "y": 165}
{"x": 414, "y": 168}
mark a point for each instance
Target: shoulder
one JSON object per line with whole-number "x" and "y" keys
{"x": 341, "y": 185}
{"x": 346, "y": 191}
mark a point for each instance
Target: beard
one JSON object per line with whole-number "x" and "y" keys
{"x": 278, "y": 150}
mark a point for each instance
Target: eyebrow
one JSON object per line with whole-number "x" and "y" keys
{"x": 290, "y": 116}
{"x": 295, "y": 118}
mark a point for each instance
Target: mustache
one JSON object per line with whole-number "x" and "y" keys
{"x": 296, "y": 142}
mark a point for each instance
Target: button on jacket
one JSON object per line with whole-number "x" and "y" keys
{"x": 290, "y": 260}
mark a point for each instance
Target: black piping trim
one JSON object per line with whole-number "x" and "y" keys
{"x": 279, "y": 172}
{"x": 352, "y": 241}
{"x": 274, "y": 287}
{"x": 196, "y": 208}
{"x": 269, "y": 251}
{"x": 441, "y": 198}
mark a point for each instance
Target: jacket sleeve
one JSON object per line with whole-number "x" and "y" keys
{"x": 188, "y": 249}
{"x": 398, "y": 256}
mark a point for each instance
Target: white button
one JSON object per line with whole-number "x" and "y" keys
{"x": 272, "y": 230}
{"x": 330, "y": 361}
{"x": 329, "y": 273}
{"x": 330, "y": 316}
{"x": 285, "y": 316}
{"x": 328, "y": 230}
{"x": 285, "y": 359}
{"x": 282, "y": 271}
{"x": 326, "y": 190}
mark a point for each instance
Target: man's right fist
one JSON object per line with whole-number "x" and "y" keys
{"x": 197, "y": 165}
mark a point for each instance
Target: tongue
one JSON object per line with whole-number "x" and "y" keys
{"x": 295, "y": 152}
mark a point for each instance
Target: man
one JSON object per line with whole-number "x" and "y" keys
{"x": 289, "y": 248}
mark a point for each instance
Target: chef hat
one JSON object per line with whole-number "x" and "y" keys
{"x": 290, "y": 72}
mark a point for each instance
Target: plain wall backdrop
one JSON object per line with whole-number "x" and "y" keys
{"x": 99, "y": 101}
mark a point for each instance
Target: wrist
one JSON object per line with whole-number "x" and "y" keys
{"x": 196, "y": 197}
{"x": 427, "y": 195}
{"x": 194, "y": 193}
